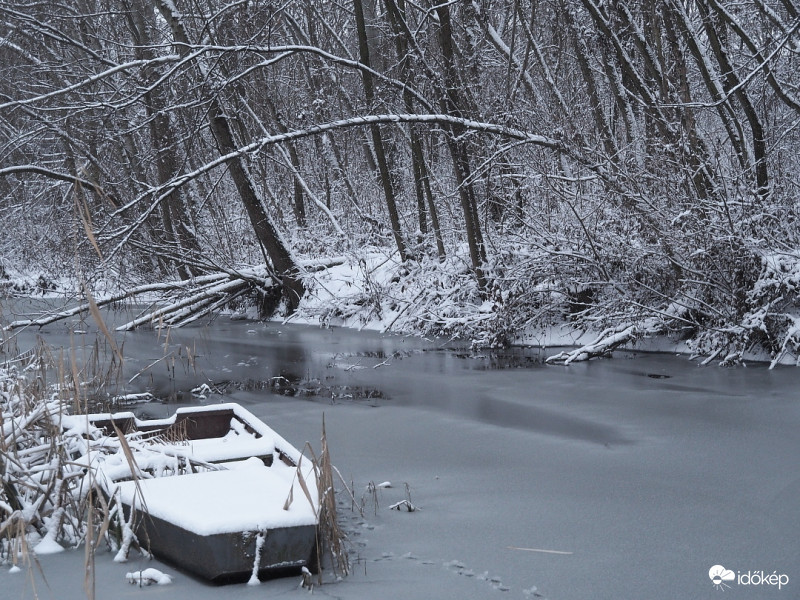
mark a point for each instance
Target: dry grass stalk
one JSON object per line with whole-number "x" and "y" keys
{"x": 353, "y": 503}
{"x": 84, "y": 214}
{"x": 331, "y": 538}
{"x": 177, "y": 433}
{"x": 335, "y": 539}
{"x": 48, "y": 495}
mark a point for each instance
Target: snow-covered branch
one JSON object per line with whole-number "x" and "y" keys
{"x": 121, "y": 68}
{"x": 206, "y": 293}
{"x": 51, "y": 174}
{"x": 606, "y": 341}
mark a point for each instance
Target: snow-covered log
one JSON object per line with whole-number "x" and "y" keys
{"x": 608, "y": 340}
{"x": 181, "y": 301}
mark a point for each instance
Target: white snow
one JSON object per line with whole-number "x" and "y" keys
{"x": 239, "y": 443}
{"x": 148, "y": 577}
{"x": 249, "y": 497}
{"x": 48, "y": 546}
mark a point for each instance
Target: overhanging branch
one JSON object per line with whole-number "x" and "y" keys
{"x": 52, "y": 175}
{"x": 258, "y": 145}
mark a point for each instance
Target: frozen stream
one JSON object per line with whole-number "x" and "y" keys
{"x": 641, "y": 472}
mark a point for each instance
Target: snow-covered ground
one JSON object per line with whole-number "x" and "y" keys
{"x": 609, "y": 479}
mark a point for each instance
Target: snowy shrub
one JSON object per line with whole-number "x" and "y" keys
{"x": 48, "y": 490}
{"x": 764, "y": 312}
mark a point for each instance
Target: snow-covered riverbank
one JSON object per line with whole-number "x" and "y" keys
{"x": 371, "y": 289}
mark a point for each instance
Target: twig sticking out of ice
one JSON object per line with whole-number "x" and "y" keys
{"x": 148, "y": 577}
{"x": 403, "y": 504}
{"x": 308, "y": 580}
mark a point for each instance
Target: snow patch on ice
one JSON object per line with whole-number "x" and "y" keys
{"x": 48, "y": 546}
{"x": 148, "y": 577}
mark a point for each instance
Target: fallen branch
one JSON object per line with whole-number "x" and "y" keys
{"x": 114, "y": 298}
{"x": 206, "y": 293}
{"x": 790, "y": 345}
{"x": 539, "y": 550}
{"x": 603, "y": 345}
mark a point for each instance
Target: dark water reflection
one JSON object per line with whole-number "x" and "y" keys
{"x": 602, "y": 401}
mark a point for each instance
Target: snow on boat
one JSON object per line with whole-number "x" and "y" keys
{"x": 217, "y": 492}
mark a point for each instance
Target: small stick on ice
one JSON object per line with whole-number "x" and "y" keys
{"x": 539, "y": 550}
{"x": 308, "y": 580}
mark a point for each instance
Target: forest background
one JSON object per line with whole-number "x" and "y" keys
{"x": 486, "y": 167}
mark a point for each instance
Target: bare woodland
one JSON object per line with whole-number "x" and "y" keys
{"x": 628, "y": 166}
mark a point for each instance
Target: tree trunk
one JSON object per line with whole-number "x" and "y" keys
{"x": 172, "y": 208}
{"x": 298, "y": 206}
{"x": 715, "y": 29}
{"x": 422, "y": 185}
{"x": 265, "y": 231}
{"x": 377, "y": 141}
{"x": 452, "y": 105}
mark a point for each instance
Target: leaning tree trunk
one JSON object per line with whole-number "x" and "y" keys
{"x": 265, "y": 231}
{"x": 452, "y": 104}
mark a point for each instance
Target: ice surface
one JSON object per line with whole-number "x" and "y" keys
{"x": 647, "y": 481}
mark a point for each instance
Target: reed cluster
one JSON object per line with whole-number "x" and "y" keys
{"x": 48, "y": 498}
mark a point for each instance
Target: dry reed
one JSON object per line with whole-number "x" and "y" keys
{"x": 331, "y": 538}
{"x": 48, "y": 496}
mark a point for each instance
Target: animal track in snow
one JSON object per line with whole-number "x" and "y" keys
{"x": 456, "y": 567}
{"x": 461, "y": 569}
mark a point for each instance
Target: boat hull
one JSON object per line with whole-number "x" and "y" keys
{"x": 229, "y": 557}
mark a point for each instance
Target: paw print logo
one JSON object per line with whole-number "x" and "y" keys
{"x": 719, "y": 575}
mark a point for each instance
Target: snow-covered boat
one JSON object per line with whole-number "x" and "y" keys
{"x": 217, "y": 492}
